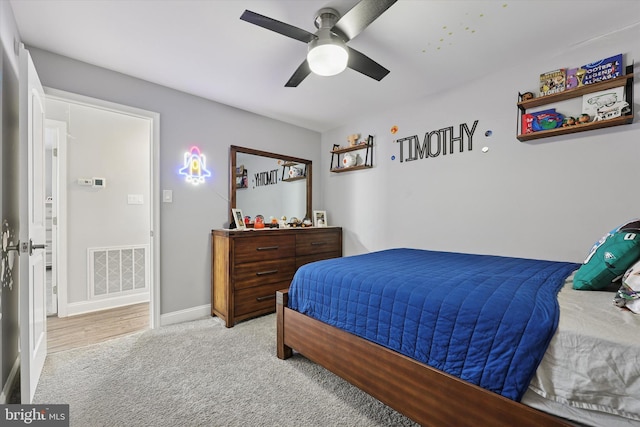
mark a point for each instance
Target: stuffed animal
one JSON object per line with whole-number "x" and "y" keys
{"x": 527, "y": 96}
{"x": 584, "y": 118}
{"x": 353, "y": 139}
{"x": 349, "y": 160}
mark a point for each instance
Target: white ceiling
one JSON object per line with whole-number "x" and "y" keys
{"x": 202, "y": 47}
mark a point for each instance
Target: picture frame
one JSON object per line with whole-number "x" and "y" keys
{"x": 238, "y": 219}
{"x": 320, "y": 219}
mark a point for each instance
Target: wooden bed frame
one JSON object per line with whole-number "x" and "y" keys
{"x": 420, "y": 392}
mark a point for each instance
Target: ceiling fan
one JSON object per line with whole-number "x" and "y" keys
{"x": 328, "y": 53}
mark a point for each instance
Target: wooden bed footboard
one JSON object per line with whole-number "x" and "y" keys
{"x": 420, "y": 392}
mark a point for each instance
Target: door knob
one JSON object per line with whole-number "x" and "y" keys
{"x": 32, "y": 247}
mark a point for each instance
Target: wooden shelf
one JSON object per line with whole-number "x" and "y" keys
{"x": 625, "y": 81}
{"x": 352, "y": 168}
{"x": 352, "y": 148}
{"x": 242, "y": 179}
{"x": 624, "y": 120}
{"x": 338, "y": 151}
{"x": 285, "y": 174}
{"x": 574, "y": 93}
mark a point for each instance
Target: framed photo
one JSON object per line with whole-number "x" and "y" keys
{"x": 238, "y": 218}
{"x": 320, "y": 218}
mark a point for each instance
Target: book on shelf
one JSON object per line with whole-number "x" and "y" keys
{"x": 572, "y": 79}
{"x": 604, "y": 69}
{"x": 528, "y": 119}
{"x": 553, "y": 81}
{"x": 604, "y": 104}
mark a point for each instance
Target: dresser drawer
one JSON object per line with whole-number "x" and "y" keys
{"x": 260, "y": 298}
{"x": 306, "y": 259}
{"x": 261, "y": 248}
{"x": 310, "y": 242}
{"x": 263, "y": 272}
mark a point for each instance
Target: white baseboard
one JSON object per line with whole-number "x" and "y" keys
{"x": 186, "y": 315}
{"x": 82, "y": 307}
{"x": 11, "y": 379}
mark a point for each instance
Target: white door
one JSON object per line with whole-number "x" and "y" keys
{"x": 33, "y": 326}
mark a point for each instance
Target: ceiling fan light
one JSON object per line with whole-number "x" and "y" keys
{"x": 327, "y": 59}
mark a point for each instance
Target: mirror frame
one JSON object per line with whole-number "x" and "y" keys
{"x": 234, "y": 149}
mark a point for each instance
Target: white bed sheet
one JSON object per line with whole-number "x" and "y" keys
{"x": 593, "y": 361}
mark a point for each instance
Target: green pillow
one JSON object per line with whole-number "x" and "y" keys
{"x": 608, "y": 260}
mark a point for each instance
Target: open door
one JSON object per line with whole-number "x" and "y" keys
{"x": 32, "y": 234}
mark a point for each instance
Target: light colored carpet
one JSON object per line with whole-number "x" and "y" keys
{"x": 203, "y": 374}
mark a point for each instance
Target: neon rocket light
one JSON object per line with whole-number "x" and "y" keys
{"x": 195, "y": 166}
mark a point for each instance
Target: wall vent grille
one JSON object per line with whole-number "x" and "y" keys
{"x": 118, "y": 270}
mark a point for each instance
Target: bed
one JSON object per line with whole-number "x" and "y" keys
{"x": 345, "y": 314}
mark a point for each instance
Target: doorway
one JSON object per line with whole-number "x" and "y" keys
{"x": 104, "y": 176}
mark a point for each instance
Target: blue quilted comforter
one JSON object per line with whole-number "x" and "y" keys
{"x": 485, "y": 319}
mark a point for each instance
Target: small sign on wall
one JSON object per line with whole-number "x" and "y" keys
{"x": 437, "y": 142}
{"x": 195, "y": 166}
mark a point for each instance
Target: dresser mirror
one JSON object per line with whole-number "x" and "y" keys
{"x": 269, "y": 184}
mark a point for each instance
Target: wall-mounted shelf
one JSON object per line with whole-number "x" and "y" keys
{"x": 242, "y": 180}
{"x": 337, "y": 152}
{"x": 286, "y": 167}
{"x": 625, "y": 81}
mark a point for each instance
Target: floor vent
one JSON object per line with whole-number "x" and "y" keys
{"x": 118, "y": 270}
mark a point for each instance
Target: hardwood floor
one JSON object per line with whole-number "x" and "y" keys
{"x": 64, "y": 333}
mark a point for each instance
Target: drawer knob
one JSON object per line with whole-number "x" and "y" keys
{"x": 265, "y": 298}
{"x": 318, "y": 243}
{"x": 267, "y": 248}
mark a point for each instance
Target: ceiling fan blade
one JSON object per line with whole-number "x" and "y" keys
{"x": 299, "y": 75}
{"x": 277, "y": 26}
{"x": 359, "y": 17}
{"x": 365, "y": 65}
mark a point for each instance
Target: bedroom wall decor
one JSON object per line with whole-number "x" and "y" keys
{"x": 624, "y": 116}
{"x": 195, "y": 166}
{"x": 436, "y": 143}
{"x": 346, "y": 159}
{"x": 266, "y": 178}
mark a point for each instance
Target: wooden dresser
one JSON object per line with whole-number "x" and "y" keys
{"x": 248, "y": 267}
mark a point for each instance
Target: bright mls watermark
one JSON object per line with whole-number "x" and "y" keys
{"x": 34, "y": 415}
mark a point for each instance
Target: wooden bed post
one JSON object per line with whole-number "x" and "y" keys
{"x": 282, "y": 299}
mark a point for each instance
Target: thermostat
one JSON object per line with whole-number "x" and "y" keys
{"x": 99, "y": 182}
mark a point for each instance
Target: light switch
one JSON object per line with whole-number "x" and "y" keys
{"x": 167, "y": 196}
{"x": 135, "y": 199}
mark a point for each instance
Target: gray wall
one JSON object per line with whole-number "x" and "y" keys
{"x": 548, "y": 198}
{"x": 185, "y": 120}
{"x": 9, "y": 145}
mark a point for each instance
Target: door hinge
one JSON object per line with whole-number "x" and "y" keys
{"x": 151, "y": 233}
{"x": 55, "y": 152}
{"x": 54, "y": 220}
{"x": 55, "y": 290}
